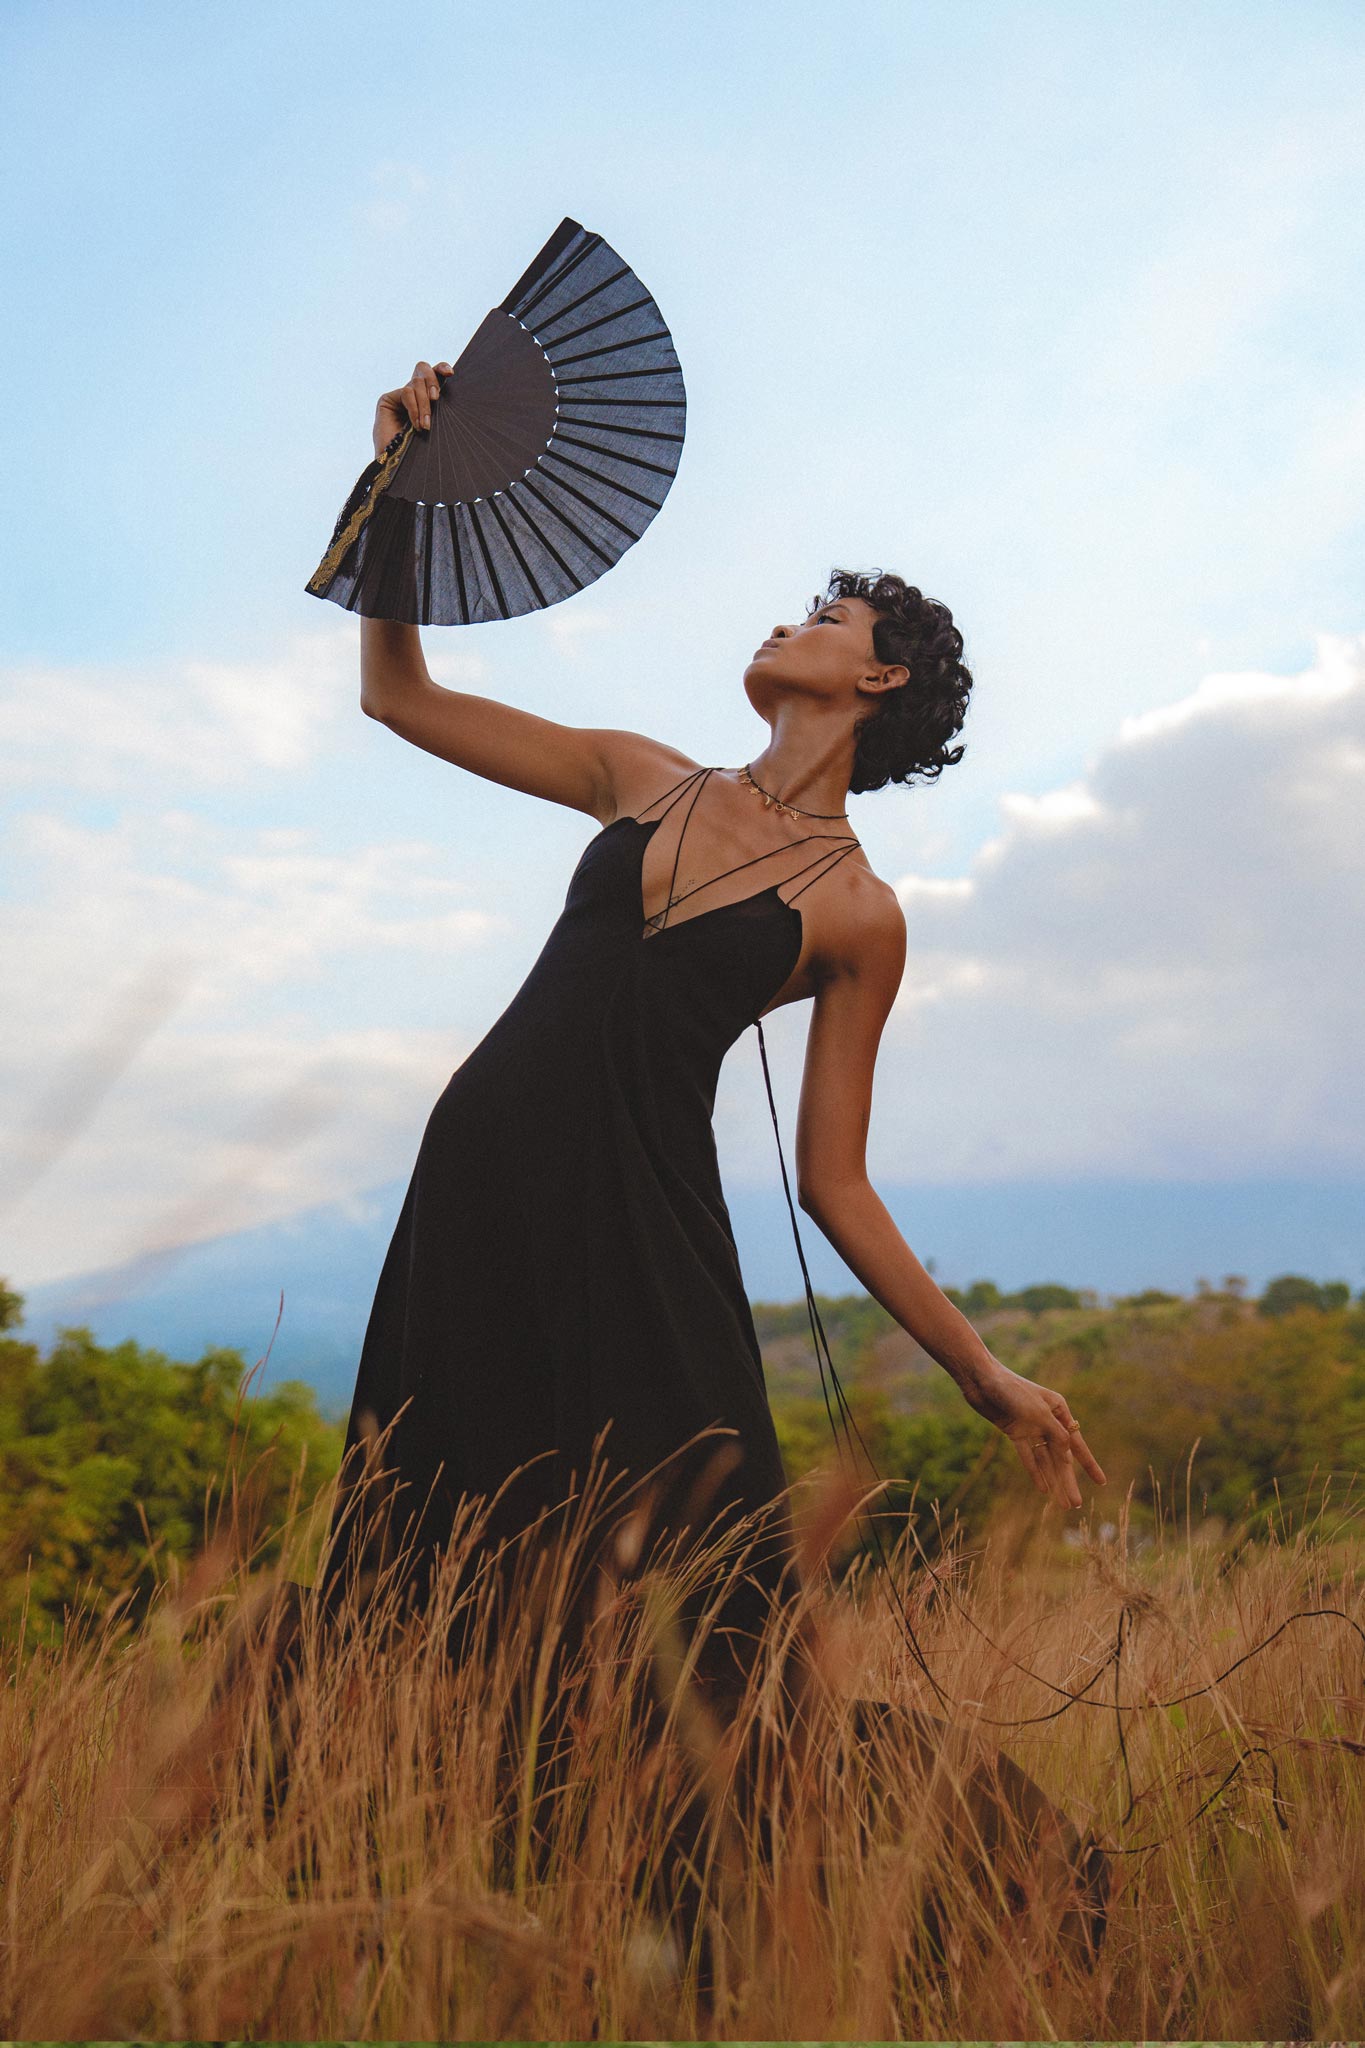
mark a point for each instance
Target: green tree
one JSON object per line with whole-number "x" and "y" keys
{"x": 1292, "y": 1290}
{"x": 102, "y": 1447}
{"x": 1046, "y": 1294}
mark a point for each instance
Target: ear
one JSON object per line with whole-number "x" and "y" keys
{"x": 889, "y": 678}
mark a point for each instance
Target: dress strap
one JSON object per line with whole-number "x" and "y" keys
{"x": 670, "y": 792}
{"x": 849, "y": 846}
{"x": 846, "y": 845}
{"x": 660, "y": 916}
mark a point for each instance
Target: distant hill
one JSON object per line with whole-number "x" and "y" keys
{"x": 1113, "y": 1237}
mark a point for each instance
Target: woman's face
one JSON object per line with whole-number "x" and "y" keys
{"x": 823, "y": 657}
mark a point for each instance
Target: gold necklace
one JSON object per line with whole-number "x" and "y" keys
{"x": 792, "y": 810}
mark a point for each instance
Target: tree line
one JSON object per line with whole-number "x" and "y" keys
{"x": 118, "y": 1461}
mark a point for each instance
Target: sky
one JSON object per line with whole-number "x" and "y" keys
{"x": 1055, "y": 310}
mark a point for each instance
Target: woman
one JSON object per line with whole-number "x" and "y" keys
{"x": 562, "y": 1281}
{"x": 563, "y": 1262}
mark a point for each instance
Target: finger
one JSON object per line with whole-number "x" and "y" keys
{"x": 1068, "y": 1491}
{"x": 424, "y": 378}
{"x": 1076, "y": 1445}
{"x": 414, "y": 398}
{"x": 1086, "y": 1457}
{"x": 1059, "y": 1466}
{"x": 1055, "y": 1461}
{"x": 1028, "y": 1454}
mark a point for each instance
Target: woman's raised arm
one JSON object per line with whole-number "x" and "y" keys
{"x": 565, "y": 764}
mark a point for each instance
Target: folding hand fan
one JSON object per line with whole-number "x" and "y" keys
{"x": 551, "y": 447}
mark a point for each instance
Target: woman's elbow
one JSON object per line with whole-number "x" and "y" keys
{"x": 819, "y": 1199}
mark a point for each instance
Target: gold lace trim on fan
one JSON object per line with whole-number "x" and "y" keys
{"x": 336, "y": 553}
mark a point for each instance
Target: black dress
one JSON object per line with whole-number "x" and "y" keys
{"x": 563, "y": 1262}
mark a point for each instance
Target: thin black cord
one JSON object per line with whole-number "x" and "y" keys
{"x": 825, "y": 1359}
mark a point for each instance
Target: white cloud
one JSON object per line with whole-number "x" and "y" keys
{"x": 110, "y": 726}
{"x": 171, "y": 1045}
{"x": 1157, "y": 970}
{"x": 217, "y": 1131}
{"x": 1054, "y": 807}
{"x": 1334, "y": 673}
{"x": 194, "y": 726}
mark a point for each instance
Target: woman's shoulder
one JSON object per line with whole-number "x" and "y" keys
{"x": 867, "y": 914}
{"x": 638, "y": 770}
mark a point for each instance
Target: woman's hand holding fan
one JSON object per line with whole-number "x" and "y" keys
{"x": 410, "y": 402}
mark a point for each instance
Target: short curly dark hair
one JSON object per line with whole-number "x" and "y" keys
{"x": 906, "y": 733}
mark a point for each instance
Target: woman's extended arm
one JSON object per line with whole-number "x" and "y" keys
{"x": 850, "y": 1011}
{"x": 578, "y": 766}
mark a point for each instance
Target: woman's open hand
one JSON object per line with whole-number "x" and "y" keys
{"x": 1041, "y": 1427}
{"x": 408, "y": 402}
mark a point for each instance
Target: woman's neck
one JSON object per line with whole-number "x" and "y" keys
{"x": 796, "y": 775}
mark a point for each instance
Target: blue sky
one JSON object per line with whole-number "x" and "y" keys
{"x": 1054, "y": 309}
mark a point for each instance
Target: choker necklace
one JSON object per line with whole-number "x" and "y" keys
{"x": 793, "y": 810}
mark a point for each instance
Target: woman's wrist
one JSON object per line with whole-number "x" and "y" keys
{"x": 977, "y": 1372}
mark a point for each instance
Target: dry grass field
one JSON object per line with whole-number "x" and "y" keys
{"x": 232, "y": 1822}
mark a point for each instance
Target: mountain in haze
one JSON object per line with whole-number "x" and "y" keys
{"x": 1114, "y": 1236}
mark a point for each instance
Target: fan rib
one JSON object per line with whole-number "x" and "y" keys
{"x": 617, "y": 313}
{"x": 611, "y": 376}
{"x": 611, "y": 348}
{"x": 563, "y": 484}
{"x": 544, "y": 538}
{"x": 459, "y": 565}
{"x": 632, "y": 433}
{"x": 598, "y": 478}
{"x": 427, "y": 552}
{"x": 676, "y": 404}
{"x": 519, "y": 312}
{"x": 496, "y": 510}
{"x": 488, "y": 559}
{"x": 581, "y": 300}
{"x": 544, "y": 260}
{"x": 491, "y": 447}
{"x": 562, "y": 516}
{"x": 613, "y": 455}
